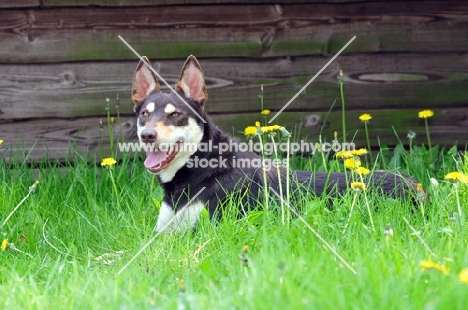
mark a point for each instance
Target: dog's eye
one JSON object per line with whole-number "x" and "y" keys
{"x": 145, "y": 113}
{"x": 175, "y": 114}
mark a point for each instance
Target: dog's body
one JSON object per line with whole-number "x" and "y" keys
{"x": 165, "y": 119}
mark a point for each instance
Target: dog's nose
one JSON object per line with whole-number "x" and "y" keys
{"x": 148, "y": 135}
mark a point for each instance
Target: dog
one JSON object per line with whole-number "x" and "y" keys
{"x": 167, "y": 122}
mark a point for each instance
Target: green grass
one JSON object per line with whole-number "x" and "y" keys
{"x": 73, "y": 218}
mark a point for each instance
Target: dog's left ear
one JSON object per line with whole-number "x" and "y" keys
{"x": 192, "y": 82}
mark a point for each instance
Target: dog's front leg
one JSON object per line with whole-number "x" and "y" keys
{"x": 183, "y": 220}
{"x": 166, "y": 213}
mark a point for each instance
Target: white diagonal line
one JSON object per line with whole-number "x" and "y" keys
{"x": 315, "y": 233}
{"x": 311, "y": 80}
{"x": 158, "y": 233}
{"x": 160, "y": 77}
{"x": 417, "y": 234}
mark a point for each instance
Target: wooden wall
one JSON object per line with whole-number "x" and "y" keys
{"x": 59, "y": 60}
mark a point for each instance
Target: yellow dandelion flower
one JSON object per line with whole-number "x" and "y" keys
{"x": 344, "y": 154}
{"x": 108, "y": 162}
{"x": 359, "y": 152}
{"x": 257, "y": 124}
{"x": 4, "y": 244}
{"x": 352, "y": 163}
{"x": 463, "y": 276}
{"x": 358, "y": 186}
{"x": 265, "y": 112}
{"x": 454, "y": 176}
{"x": 427, "y": 264}
{"x": 365, "y": 117}
{"x": 250, "y": 131}
{"x": 419, "y": 187}
{"x": 1, "y": 141}
{"x": 271, "y": 128}
{"x": 362, "y": 171}
{"x": 425, "y": 114}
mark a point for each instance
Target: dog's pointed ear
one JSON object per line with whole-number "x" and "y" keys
{"x": 144, "y": 82}
{"x": 192, "y": 81}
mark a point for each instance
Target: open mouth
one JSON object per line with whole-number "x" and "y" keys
{"x": 159, "y": 160}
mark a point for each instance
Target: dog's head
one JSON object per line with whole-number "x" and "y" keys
{"x": 168, "y": 126}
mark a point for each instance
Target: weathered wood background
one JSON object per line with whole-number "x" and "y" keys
{"x": 59, "y": 60}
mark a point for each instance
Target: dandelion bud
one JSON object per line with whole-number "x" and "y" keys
{"x": 388, "y": 231}
{"x": 261, "y": 93}
{"x": 33, "y": 187}
{"x": 107, "y": 104}
{"x": 182, "y": 286}
{"x": 284, "y": 133}
{"x": 243, "y": 258}
{"x": 411, "y": 135}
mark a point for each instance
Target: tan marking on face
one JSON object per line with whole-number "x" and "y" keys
{"x": 169, "y": 109}
{"x": 188, "y": 134}
{"x": 164, "y": 132}
{"x": 150, "y": 107}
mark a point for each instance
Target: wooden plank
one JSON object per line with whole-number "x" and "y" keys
{"x": 388, "y": 81}
{"x": 52, "y": 138}
{"x": 60, "y": 138}
{"x": 19, "y": 3}
{"x": 73, "y": 34}
{"x": 59, "y": 3}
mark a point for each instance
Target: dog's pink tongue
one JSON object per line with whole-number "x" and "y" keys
{"x": 154, "y": 158}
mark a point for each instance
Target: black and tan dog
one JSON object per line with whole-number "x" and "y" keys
{"x": 169, "y": 127}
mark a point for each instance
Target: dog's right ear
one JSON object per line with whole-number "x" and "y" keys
{"x": 144, "y": 82}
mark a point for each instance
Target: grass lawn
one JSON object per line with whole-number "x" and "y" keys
{"x": 70, "y": 238}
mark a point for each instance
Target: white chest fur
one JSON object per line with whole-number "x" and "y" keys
{"x": 183, "y": 220}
